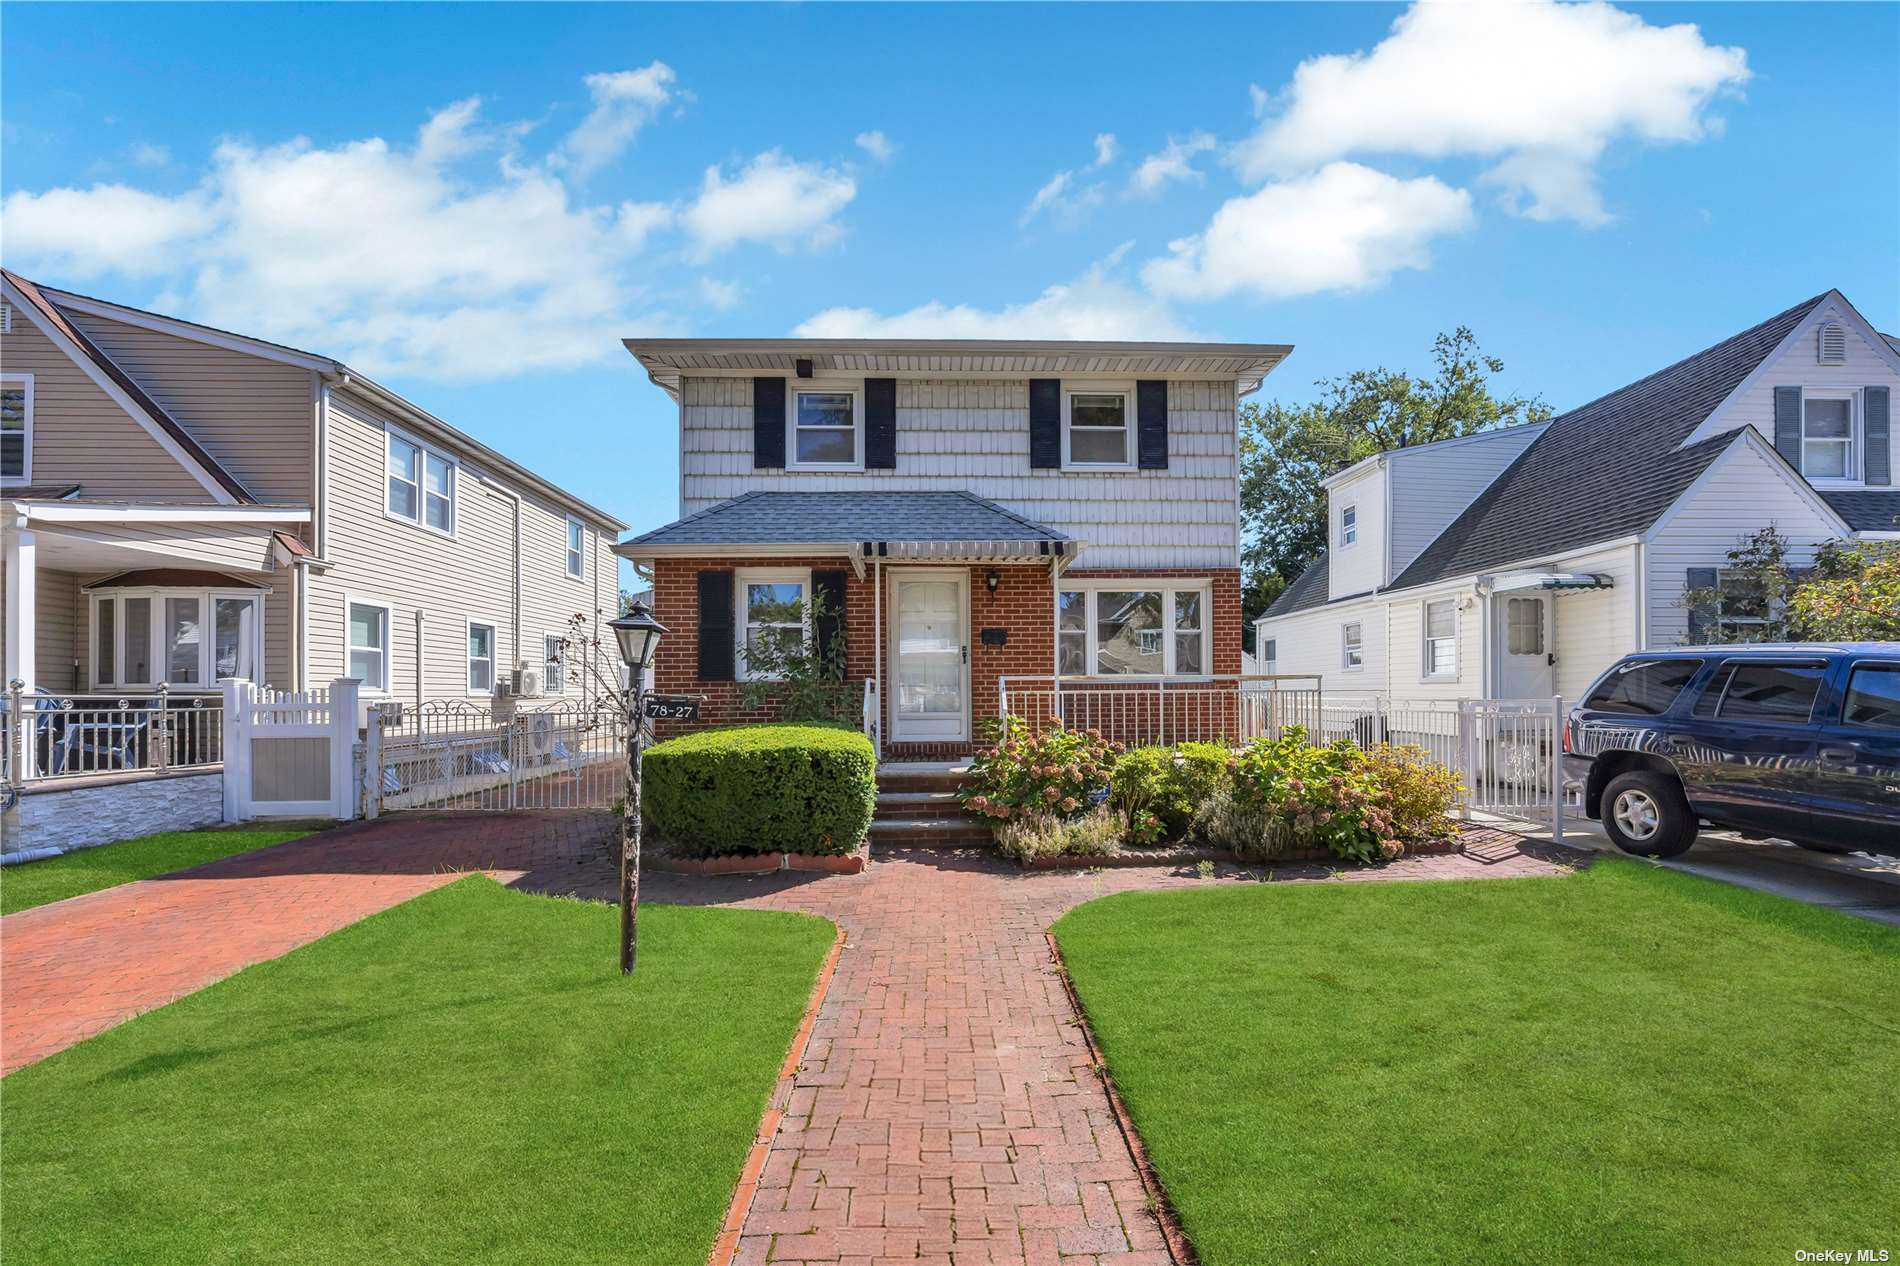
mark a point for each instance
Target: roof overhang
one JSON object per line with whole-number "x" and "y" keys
{"x": 1035, "y": 552}
{"x": 667, "y": 361}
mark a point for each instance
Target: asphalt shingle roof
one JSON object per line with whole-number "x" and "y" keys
{"x": 1867, "y": 511}
{"x": 844, "y": 518}
{"x": 1606, "y": 469}
{"x": 1307, "y": 591}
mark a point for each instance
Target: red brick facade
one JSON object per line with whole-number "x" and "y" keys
{"x": 1023, "y": 605}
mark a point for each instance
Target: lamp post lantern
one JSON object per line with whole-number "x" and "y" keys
{"x": 638, "y": 635}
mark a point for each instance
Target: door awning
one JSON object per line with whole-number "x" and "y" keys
{"x": 1552, "y": 580}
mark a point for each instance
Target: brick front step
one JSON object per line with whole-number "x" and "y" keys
{"x": 921, "y": 775}
{"x": 918, "y": 804}
{"x": 957, "y": 832}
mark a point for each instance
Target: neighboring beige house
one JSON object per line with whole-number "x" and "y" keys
{"x": 183, "y": 504}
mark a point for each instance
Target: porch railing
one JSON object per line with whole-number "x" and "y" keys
{"x": 1234, "y": 708}
{"x": 51, "y": 736}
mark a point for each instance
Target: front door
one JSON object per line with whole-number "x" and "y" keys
{"x": 1524, "y": 646}
{"x": 930, "y": 657}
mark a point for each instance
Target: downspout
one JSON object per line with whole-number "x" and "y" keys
{"x": 877, "y": 635}
{"x": 420, "y": 660}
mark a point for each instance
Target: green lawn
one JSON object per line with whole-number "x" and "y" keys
{"x": 1621, "y": 1065}
{"x": 90, "y": 869}
{"x": 463, "y": 1078}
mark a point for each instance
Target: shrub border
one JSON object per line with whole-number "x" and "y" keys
{"x": 1191, "y": 853}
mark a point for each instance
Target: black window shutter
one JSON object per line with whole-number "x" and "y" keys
{"x": 1151, "y": 413}
{"x": 1788, "y": 424}
{"x": 1045, "y": 423}
{"x": 1877, "y": 403}
{"x": 768, "y": 425}
{"x": 880, "y": 424}
{"x": 827, "y": 589}
{"x": 1702, "y": 612}
{"x": 717, "y": 637}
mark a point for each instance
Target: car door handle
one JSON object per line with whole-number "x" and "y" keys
{"x": 1839, "y": 755}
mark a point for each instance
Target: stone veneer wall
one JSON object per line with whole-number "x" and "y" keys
{"x": 82, "y": 817}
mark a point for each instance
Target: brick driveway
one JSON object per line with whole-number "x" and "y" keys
{"x": 945, "y": 1109}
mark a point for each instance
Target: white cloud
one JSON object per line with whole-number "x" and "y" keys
{"x": 877, "y": 145}
{"x": 371, "y": 252}
{"x": 1063, "y": 197}
{"x": 1541, "y": 88}
{"x": 1095, "y": 305}
{"x": 772, "y": 199}
{"x": 1344, "y": 227}
{"x": 1105, "y": 148}
{"x": 624, "y": 102}
{"x": 146, "y": 154}
{"x": 720, "y": 295}
{"x": 1173, "y": 162}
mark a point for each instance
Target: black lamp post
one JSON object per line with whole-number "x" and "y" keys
{"x": 638, "y": 635}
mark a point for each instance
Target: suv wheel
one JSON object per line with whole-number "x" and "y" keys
{"x": 1646, "y": 814}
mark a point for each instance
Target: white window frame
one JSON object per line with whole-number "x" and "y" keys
{"x": 1126, "y": 390}
{"x": 1854, "y": 465}
{"x": 1427, "y": 669}
{"x": 157, "y": 634}
{"x": 1269, "y": 655}
{"x": 26, "y": 453}
{"x": 742, "y": 625}
{"x": 554, "y": 682}
{"x": 469, "y": 625}
{"x": 388, "y": 648}
{"x": 818, "y": 387}
{"x": 1352, "y": 647}
{"x": 574, "y": 549}
{"x": 1167, "y": 587}
{"x": 424, "y": 451}
{"x": 1349, "y": 525}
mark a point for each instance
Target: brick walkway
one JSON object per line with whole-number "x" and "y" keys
{"x": 80, "y": 966}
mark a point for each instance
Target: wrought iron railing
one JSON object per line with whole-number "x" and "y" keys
{"x": 52, "y": 736}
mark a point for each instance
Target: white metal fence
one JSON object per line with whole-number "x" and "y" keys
{"x": 469, "y": 754}
{"x": 1232, "y": 709}
{"x": 50, "y": 736}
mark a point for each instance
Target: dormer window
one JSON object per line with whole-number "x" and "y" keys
{"x": 826, "y": 428}
{"x": 1827, "y": 435}
{"x": 1349, "y": 525}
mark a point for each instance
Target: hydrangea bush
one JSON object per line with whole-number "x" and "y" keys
{"x": 1056, "y": 772}
{"x": 1317, "y": 797}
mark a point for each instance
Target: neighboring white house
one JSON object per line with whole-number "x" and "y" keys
{"x": 1520, "y": 563}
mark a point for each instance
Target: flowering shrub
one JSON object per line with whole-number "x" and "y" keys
{"x": 1157, "y": 789}
{"x": 1057, "y": 773}
{"x": 1317, "y": 797}
{"x": 1423, "y": 792}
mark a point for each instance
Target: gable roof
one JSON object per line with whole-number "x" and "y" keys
{"x": 147, "y": 411}
{"x": 1606, "y": 469}
{"x": 847, "y": 518}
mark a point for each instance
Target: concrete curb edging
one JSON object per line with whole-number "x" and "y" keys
{"x": 1189, "y": 856}
{"x": 760, "y": 863}
{"x": 1180, "y": 1251}
{"x": 727, "y": 1242}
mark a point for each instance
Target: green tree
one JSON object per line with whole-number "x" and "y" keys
{"x": 1853, "y": 593}
{"x": 1285, "y": 450}
{"x": 1750, "y": 602}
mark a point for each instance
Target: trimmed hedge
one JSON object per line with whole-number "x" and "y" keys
{"x": 762, "y": 789}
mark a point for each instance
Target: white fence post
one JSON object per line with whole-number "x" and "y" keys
{"x": 373, "y": 763}
{"x": 1467, "y": 753}
{"x": 343, "y": 747}
{"x": 1557, "y": 731}
{"x": 237, "y": 748}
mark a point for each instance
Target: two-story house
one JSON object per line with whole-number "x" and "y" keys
{"x": 1520, "y": 563}
{"x": 966, "y": 511}
{"x": 183, "y": 504}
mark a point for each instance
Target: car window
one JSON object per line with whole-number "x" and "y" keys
{"x": 1873, "y": 697}
{"x": 1711, "y": 695}
{"x": 1642, "y": 687}
{"x": 1771, "y": 692}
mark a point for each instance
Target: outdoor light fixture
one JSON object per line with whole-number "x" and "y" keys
{"x": 639, "y": 636}
{"x": 991, "y": 579}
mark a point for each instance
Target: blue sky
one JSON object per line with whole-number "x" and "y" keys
{"x": 475, "y": 204}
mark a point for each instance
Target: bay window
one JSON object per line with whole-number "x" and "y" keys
{"x": 191, "y": 639}
{"x": 1123, "y": 628}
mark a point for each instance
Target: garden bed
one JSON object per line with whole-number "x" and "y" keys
{"x": 1193, "y": 854}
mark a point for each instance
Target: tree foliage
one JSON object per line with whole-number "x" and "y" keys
{"x": 1286, "y": 450}
{"x": 1850, "y": 594}
{"x": 1853, "y": 593}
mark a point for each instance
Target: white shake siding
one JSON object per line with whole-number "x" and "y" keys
{"x": 449, "y": 581}
{"x": 1740, "y": 493}
{"x": 973, "y": 436}
{"x": 1432, "y": 484}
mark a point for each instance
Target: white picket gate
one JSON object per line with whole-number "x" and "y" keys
{"x": 290, "y": 753}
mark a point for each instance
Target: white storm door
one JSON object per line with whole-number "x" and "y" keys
{"x": 929, "y": 657}
{"x": 1525, "y": 646}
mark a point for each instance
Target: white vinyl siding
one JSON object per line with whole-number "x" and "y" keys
{"x": 1356, "y": 564}
{"x": 973, "y": 435}
{"x": 1432, "y": 484}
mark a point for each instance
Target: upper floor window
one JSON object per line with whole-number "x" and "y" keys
{"x": 826, "y": 428}
{"x": 1441, "y": 638}
{"x": 1352, "y": 647}
{"x": 1096, "y": 433}
{"x": 16, "y": 427}
{"x": 1349, "y": 525}
{"x": 1827, "y": 435}
{"x": 420, "y": 485}
{"x": 1117, "y": 631}
{"x": 576, "y": 552}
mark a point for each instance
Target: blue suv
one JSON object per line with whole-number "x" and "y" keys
{"x": 1800, "y": 742}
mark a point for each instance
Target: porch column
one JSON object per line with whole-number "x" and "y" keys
{"x": 21, "y": 604}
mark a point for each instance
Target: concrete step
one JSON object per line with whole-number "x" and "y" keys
{"x": 922, "y": 775}
{"x": 931, "y": 832}
{"x": 917, "y": 804}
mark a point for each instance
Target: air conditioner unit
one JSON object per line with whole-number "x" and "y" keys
{"x": 525, "y": 683}
{"x": 542, "y": 729}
